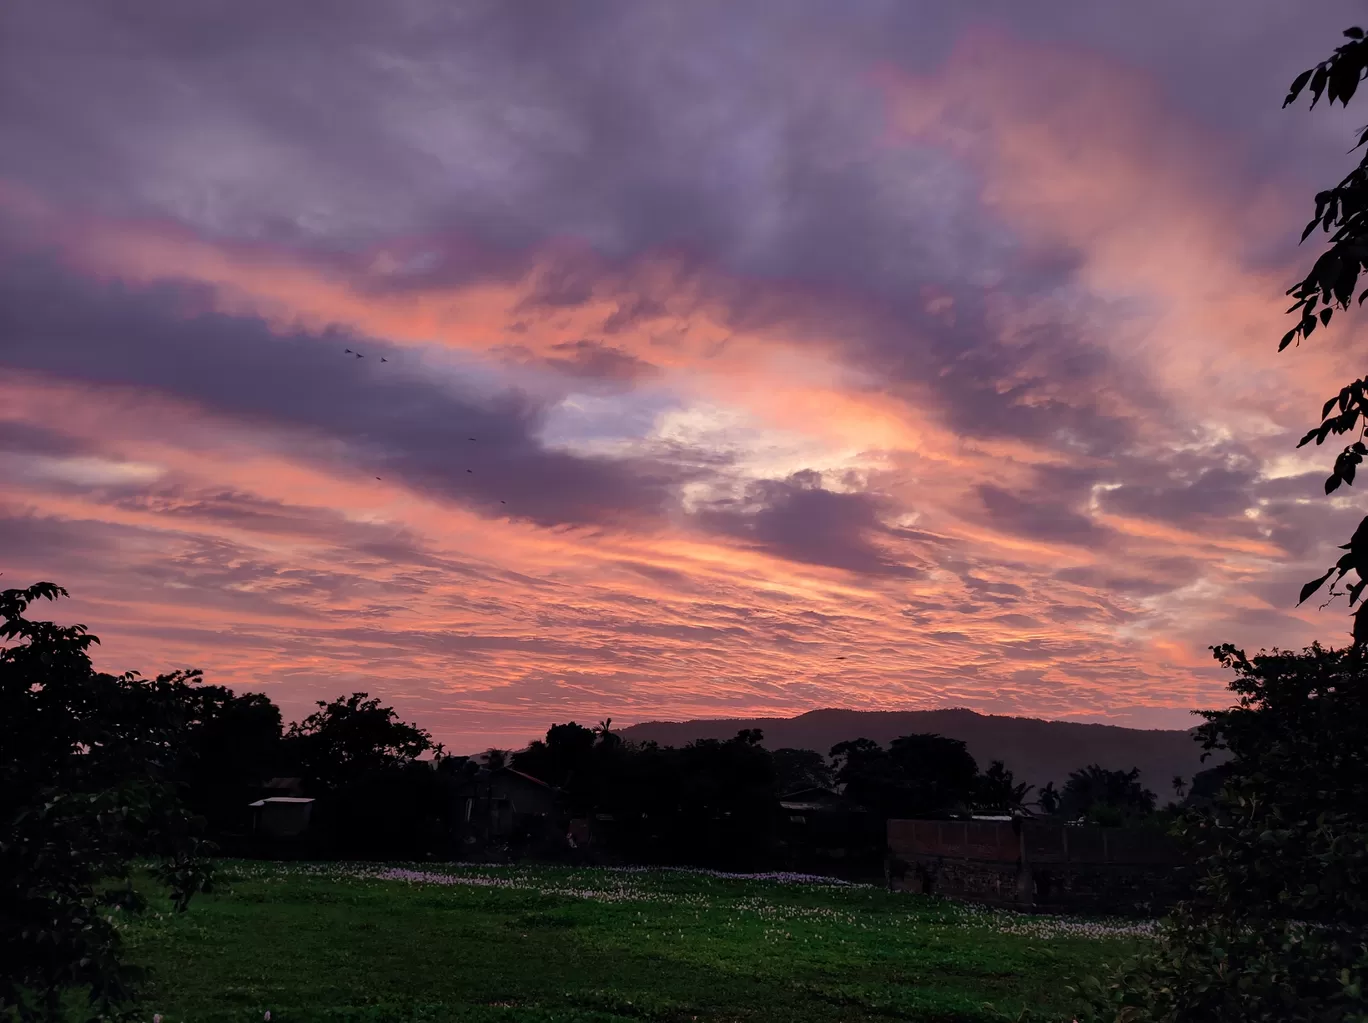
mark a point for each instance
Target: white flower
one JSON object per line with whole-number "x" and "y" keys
{"x": 267, "y": 1017}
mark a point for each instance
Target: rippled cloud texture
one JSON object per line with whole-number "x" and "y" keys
{"x": 716, "y": 358}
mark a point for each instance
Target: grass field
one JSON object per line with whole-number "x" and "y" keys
{"x": 352, "y": 943}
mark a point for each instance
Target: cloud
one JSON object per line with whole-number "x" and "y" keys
{"x": 943, "y": 335}
{"x": 798, "y": 518}
{"x": 353, "y": 411}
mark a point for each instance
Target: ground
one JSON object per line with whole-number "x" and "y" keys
{"x": 370, "y": 943}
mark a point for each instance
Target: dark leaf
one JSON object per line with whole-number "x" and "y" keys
{"x": 1298, "y": 84}
{"x": 1313, "y": 586}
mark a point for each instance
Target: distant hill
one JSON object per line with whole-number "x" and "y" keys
{"x": 1036, "y": 751}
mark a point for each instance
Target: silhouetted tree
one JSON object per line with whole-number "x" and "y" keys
{"x": 232, "y": 745}
{"x": 350, "y": 737}
{"x": 1106, "y": 798}
{"x": 559, "y": 759}
{"x": 1207, "y": 785}
{"x": 937, "y": 774}
{"x": 88, "y": 771}
{"x": 375, "y": 798}
{"x": 1341, "y": 212}
{"x": 796, "y": 769}
{"x": 1048, "y": 800}
{"x": 496, "y": 759}
{"x": 1279, "y": 925}
{"x": 997, "y": 791}
{"x": 606, "y": 736}
{"x": 917, "y": 776}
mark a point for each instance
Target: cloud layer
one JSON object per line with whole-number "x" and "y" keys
{"x": 520, "y": 363}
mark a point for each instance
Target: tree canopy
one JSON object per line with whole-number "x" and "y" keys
{"x": 1330, "y": 286}
{"x": 89, "y": 765}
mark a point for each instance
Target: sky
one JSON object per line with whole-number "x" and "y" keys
{"x": 716, "y": 358}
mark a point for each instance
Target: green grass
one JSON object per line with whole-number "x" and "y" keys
{"x": 338, "y": 943}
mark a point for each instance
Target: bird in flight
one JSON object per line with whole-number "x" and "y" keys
{"x": 470, "y": 438}
{"x": 470, "y": 470}
{"x": 377, "y": 477}
{"x": 347, "y": 350}
{"x": 503, "y": 502}
{"x": 358, "y": 355}
{"x": 383, "y": 359}
{"x": 840, "y": 658}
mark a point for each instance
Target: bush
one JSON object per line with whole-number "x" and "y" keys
{"x": 1278, "y": 927}
{"x": 88, "y": 766}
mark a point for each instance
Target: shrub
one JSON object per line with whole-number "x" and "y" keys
{"x": 88, "y": 765}
{"x": 1278, "y": 927}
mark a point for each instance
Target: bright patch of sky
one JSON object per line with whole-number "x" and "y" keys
{"x": 87, "y": 471}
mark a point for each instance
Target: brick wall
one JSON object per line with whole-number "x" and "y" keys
{"x": 1035, "y": 863}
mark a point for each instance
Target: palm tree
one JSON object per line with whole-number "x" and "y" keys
{"x": 1179, "y": 786}
{"x": 607, "y": 737}
{"x": 1048, "y": 798}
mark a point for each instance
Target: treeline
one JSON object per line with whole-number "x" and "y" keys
{"x": 384, "y": 789}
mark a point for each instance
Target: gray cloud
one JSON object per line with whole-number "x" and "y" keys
{"x": 797, "y": 518}
{"x": 393, "y": 423}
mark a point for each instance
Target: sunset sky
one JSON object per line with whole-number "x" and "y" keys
{"x": 878, "y": 354}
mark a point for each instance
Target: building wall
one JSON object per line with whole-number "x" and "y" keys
{"x": 1036, "y": 863}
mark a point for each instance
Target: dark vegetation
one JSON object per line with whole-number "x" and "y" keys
{"x": 89, "y": 772}
{"x": 1277, "y": 926}
{"x": 101, "y": 772}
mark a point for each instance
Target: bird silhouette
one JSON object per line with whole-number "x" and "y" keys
{"x": 358, "y": 355}
{"x": 840, "y": 658}
{"x": 470, "y": 470}
{"x": 347, "y": 350}
{"x": 383, "y": 359}
{"x": 377, "y": 477}
{"x": 470, "y": 438}
{"x": 503, "y": 502}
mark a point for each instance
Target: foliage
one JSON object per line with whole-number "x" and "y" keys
{"x": 1106, "y": 798}
{"x": 796, "y": 769}
{"x": 1048, "y": 799}
{"x": 351, "y": 737}
{"x": 562, "y": 758}
{"x": 374, "y": 797}
{"x": 1341, "y": 212}
{"x": 917, "y": 776}
{"x": 711, "y": 802}
{"x": 319, "y": 943}
{"x": 997, "y": 791}
{"x": 88, "y": 770}
{"x": 1207, "y": 785}
{"x": 232, "y": 744}
{"x": 1278, "y": 930}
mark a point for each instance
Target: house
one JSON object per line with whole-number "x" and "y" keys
{"x": 820, "y": 830}
{"x": 505, "y": 807}
{"x": 283, "y": 787}
{"x": 810, "y": 800}
{"x": 281, "y": 816}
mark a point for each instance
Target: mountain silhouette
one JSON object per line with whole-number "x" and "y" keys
{"x": 1036, "y": 751}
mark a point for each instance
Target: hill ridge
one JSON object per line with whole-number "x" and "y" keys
{"x": 1037, "y": 750}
